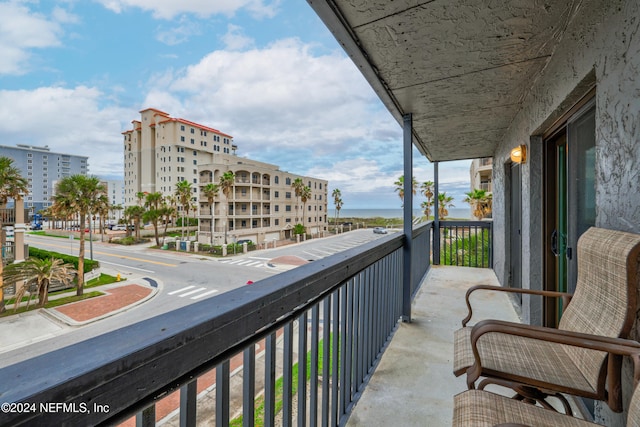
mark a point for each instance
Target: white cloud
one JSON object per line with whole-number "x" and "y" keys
{"x": 168, "y": 9}
{"x": 68, "y": 121}
{"x": 22, "y": 30}
{"x": 282, "y": 95}
{"x": 234, "y": 39}
{"x": 178, "y": 33}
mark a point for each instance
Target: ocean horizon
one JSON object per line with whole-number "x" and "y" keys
{"x": 457, "y": 213}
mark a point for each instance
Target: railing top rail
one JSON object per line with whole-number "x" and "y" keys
{"x": 457, "y": 223}
{"x": 159, "y": 354}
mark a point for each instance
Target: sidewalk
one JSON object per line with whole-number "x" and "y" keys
{"x": 23, "y": 329}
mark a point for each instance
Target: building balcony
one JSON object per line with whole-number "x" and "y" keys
{"x": 352, "y": 301}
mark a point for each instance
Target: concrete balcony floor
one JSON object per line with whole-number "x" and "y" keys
{"x": 414, "y": 383}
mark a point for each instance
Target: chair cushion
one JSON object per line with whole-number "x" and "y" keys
{"x": 480, "y": 408}
{"x": 604, "y": 292}
{"x": 522, "y": 357}
{"x": 462, "y": 354}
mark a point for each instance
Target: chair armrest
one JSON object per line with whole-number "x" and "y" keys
{"x": 615, "y": 346}
{"x": 566, "y": 297}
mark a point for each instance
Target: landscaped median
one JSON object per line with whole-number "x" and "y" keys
{"x": 59, "y": 298}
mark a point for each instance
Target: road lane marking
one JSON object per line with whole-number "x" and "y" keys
{"x": 195, "y": 291}
{"x": 116, "y": 256}
{"x": 126, "y": 266}
{"x": 180, "y": 290}
{"x": 213, "y": 291}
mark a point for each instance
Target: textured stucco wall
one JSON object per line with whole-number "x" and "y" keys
{"x": 601, "y": 43}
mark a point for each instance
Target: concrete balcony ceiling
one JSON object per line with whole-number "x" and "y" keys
{"x": 461, "y": 68}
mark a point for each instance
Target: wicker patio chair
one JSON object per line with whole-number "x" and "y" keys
{"x": 480, "y": 408}
{"x": 538, "y": 362}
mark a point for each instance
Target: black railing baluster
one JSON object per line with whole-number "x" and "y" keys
{"x": 302, "y": 370}
{"x": 270, "y": 379}
{"x": 313, "y": 382}
{"x": 287, "y": 376}
{"x": 146, "y": 417}
{"x": 335, "y": 378}
{"x": 326, "y": 361}
{"x": 188, "y": 401}
{"x": 248, "y": 386}
{"x": 222, "y": 394}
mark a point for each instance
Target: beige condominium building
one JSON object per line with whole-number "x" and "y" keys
{"x": 161, "y": 151}
{"x": 481, "y": 173}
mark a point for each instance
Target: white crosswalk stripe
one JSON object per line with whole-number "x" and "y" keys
{"x": 189, "y": 291}
{"x": 212, "y": 291}
{"x": 245, "y": 262}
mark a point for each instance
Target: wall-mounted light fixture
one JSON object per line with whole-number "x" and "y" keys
{"x": 519, "y": 154}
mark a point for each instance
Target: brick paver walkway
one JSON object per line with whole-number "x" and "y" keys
{"x": 115, "y": 299}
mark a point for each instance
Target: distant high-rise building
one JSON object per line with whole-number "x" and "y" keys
{"x": 161, "y": 151}
{"x": 43, "y": 168}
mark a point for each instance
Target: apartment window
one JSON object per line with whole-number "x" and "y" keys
{"x": 276, "y": 208}
{"x": 182, "y": 138}
{"x": 193, "y": 141}
{"x": 287, "y": 220}
{"x": 193, "y": 130}
{"x": 287, "y": 208}
{"x": 29, "y": 154}
{"x": 277, "y": 222}
{"x": 276, "y": 179}
{"x": 182, "y": 127}
{"x": 287, "y": 181}
{"x": 276, "y": 194}
{"x": 287, "y": 195}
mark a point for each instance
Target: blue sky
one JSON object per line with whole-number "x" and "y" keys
{"x": 73, "y": 74}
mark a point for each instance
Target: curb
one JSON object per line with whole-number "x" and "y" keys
{"x": 54, "y": 313}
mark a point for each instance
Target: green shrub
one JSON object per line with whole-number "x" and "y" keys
{"x": 43, "y": 254}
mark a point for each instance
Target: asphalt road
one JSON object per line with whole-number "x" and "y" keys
{"x": 182, "y": 278}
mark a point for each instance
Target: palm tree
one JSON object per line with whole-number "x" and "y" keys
{"x": 445, "y": 202}
{"x": 154, "y": 212}
{"x": 183, "y": 194}
{"x": 102, "y": 209}
{"x": 426, "y": 207}
{"x": 38, "y": 272}
{"x": 337, "y": 202}
{"x": 210, "y": 192}
{"x": 140, "y": 195}
{"x": 400, "y": 187}
{"x": 136, "y": 213}
{"x": 169, "y": 213}
{"x": 476, "y": 199}
{"x": 305, "y": 195}
{"x": 80, "y": 194}
{"x": 226, "y": 186}
{"x": 115, "y": 208}
{"x": 297, "y": 186}
{"x": 426, "y": 188}
{"x": 12, "y": 186}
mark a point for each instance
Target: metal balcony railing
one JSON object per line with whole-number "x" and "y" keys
{"x": 8, "y": 216}
{"x": 466, "y": 243}
{"x": 339, "y": 314}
